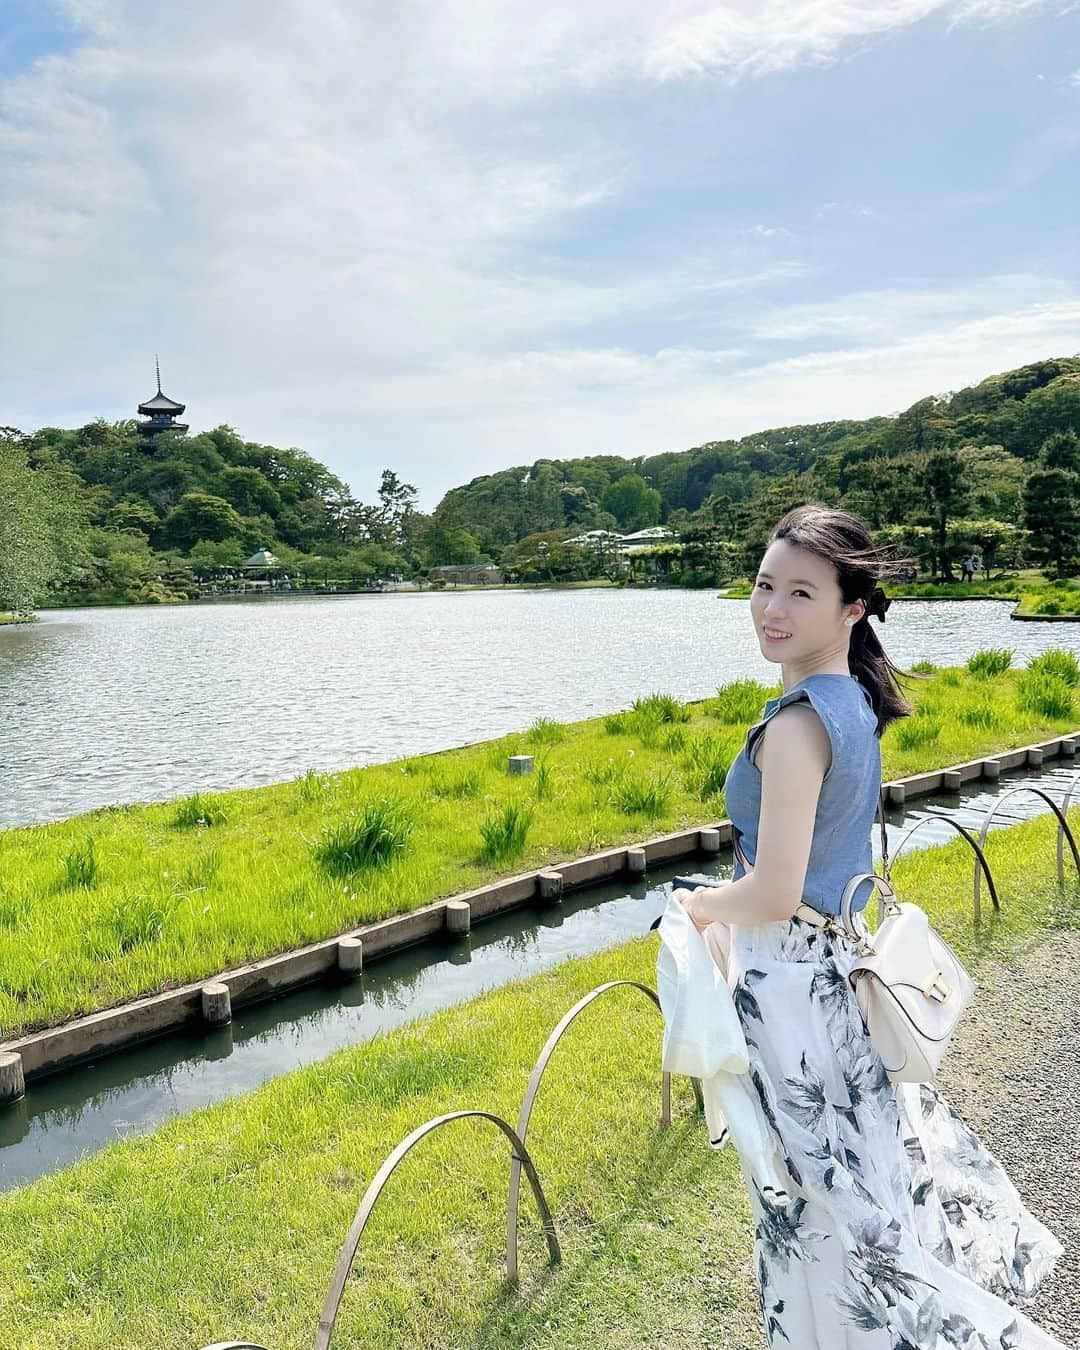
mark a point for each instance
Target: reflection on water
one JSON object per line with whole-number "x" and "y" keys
{"x": 79, "y": 1112}
{"x": 119, "y": 705}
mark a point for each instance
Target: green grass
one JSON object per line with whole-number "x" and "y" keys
{"x": 227, "y": 1222}
{"x": 172, "y": 899}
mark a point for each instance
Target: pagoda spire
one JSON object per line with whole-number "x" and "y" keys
{"x": 162, "y": 413}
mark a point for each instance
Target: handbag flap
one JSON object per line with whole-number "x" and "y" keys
{"x": 919, "y": 970}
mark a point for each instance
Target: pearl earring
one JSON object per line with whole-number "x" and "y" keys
{"x": 850, "y": 623}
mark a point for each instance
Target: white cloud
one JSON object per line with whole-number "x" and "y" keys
{"x": 341, "y": 227}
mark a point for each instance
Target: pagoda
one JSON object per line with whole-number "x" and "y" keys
{"x": 162, "y": 412}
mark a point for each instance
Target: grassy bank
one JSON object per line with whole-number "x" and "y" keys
{"x": 228, "y": 1221}
{"x": 102, "y": 907}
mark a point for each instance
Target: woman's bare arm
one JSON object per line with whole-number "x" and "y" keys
{"x": 793, "y": 759}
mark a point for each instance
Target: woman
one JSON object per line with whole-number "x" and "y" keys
{"x": 905, "y": 1232}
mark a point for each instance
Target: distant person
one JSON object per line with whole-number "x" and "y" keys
{"x": 902, "y": 1229}
{"x": 966, "y": 571}
{"x": 976, "y": 564}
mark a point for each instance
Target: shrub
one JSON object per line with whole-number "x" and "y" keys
{"x": 370, "y": 837}
{"x": 660, "y": 708}
{"x": 133, "y": 921}
{"x": 923, "y": 668}
{"x": 992, "y": 661}
{"x": 617, "y": 724}
{"x": 504, "y": 831}
{"x": 312, "y": 787}
{"x": 602, "y": 773}
{"x": 706, "y": 766}
{"x": 737, "y": 702}
{"x": 1045, "y": 695}
{"x": 200, "y": 809}
{"x": 1059, "y": 663}
{"x": 916, "y": 731}
{"x": 545, "y": 732}
{"x": 463, "y": 783}
{"x": 543, "y": 781}
{"x": 982, "y": 716}
{"x": 641, "y": 796}
{"x": 80, "y": 865}
{"x": 675, "y": 740}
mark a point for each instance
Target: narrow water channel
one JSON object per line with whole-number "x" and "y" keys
{"x": 82, "y": 1110}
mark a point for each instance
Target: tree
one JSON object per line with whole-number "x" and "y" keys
{"x": 200, "y": 515}
{"x": 132, "y": 514}
{"x": 248, "y": 490}
{"x": 42, "y": 516}
{"x": 632, "y": 502}
{"x": 1052, "y": 514}
{"x": 946, "y": 485}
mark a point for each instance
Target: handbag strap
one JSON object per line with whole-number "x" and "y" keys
{"x": 884, "y": 835}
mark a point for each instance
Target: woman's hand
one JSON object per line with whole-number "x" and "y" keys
{"x": 694, "y": 904}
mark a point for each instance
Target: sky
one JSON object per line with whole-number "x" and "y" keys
{"x": 454, "y": 236}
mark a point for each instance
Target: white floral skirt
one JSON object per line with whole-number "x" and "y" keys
{"x": 904, "y": 1232}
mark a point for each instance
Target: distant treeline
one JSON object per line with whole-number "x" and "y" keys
{"x": 89, "y": 514}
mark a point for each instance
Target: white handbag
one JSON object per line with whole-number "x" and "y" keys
{"x": 910, "y": 985}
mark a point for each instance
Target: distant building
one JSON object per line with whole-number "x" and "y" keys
{"x": 162, "y": 412}
{"x": 470, "y": 574}
{"x": 648, "y": 538}
{"x": 608, "y": 541}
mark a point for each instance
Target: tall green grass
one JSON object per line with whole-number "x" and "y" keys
{"x": 282, "y": 866}
{"x": 370, "y": 837}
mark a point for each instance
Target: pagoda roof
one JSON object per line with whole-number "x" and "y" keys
{"x": 161, "y": 403}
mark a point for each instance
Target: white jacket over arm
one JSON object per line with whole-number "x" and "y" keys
{"x": 703, "y": 1038}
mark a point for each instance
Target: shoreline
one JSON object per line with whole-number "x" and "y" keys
{"x": 736, "y": 592}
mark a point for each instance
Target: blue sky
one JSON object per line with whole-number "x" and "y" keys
{"x": 449, "y": 237}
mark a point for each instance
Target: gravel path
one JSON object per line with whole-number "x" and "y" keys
{"x": 1013, "y": 1073}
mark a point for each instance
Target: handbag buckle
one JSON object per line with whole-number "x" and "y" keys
{"x": 936, "y": 988}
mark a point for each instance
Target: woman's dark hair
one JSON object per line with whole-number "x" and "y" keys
{"x": 844, "y": 540}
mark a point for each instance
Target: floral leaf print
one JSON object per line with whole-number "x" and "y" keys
{"x": 957, "y": 1330}
{"x": 745, "y": 1001}
{"x": 914, "y": 1150}
{"x": 919, "y": 1194}
{"x": 807, "y": 1100}
{"x": 773, "y": 1327}
{"x": 861, "y": 1310}
{"x": 779, "y": 1230}
{"x": 1010, "y": 1337}
{"x": 830, "y": 985}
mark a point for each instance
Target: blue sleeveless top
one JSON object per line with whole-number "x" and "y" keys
{"x": 849, "y": 791}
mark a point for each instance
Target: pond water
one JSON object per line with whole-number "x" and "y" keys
{"x": 106, "y": 706}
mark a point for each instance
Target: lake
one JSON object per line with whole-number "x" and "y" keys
{"x": 104, "y": 706}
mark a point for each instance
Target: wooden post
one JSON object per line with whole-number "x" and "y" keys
{"x": 551, "y": 885}
{"x": 12, "y": 1080}
{"x": 216, "y": 1004}
{"x": 458, "y": 916}
{"x": 350, "y": 955}
{"x": 709, "y": 841}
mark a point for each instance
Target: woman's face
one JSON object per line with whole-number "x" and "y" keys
{"x": 796, "y": 605}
